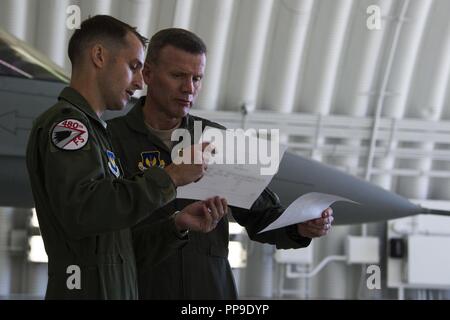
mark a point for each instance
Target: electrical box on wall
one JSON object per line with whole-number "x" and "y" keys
{"x": 362, "y": 249}
{"x": 418, "y": 252}
{"x": 428, "y": 261}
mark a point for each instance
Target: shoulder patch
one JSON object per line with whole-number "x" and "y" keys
{"x": 70, "y": 134}
{"x": 112, "y": 163}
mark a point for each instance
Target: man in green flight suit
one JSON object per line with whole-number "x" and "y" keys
{"x": 173, "y": 71}
{"x": 84, "y": 205}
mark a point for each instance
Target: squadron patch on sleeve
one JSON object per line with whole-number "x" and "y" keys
{"x": 70, "y": 134}
{"x": 113, "y": 167}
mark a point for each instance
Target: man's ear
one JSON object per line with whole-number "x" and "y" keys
{"x": 98, "y": 55}
{"x": 147, "y": 71}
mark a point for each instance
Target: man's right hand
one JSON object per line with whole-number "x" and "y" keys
{"x": 190, "y": 168}
{"x": 202, "y": 216}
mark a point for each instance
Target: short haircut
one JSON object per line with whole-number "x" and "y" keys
{"x": 100, "y": 27}
{"x": 179, "y": 38}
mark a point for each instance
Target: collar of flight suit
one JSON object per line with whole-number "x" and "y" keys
{"x": 135, "y": 120}
{"x": 73, "y": 97}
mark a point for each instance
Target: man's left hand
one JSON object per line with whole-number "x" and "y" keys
{"x": 316, "y": 227}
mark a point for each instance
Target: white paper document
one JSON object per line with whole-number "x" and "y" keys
{"x": 240, "y": 184}
{"x": 308, "y": 206}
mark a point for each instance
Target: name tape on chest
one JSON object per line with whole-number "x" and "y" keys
{"x": 70, "y": 134}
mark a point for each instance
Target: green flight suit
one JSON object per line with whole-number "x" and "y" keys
{"x": 85, "y": 208}
{"x": 200, "y": 269}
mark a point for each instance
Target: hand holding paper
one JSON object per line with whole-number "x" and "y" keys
{"x": 237, "y": 171}
{"x": 307, "y": 207}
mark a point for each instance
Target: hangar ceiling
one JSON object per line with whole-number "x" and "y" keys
{"x": 308, "y": 57}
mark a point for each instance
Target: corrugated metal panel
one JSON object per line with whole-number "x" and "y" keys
{"x": 313, "y": 56}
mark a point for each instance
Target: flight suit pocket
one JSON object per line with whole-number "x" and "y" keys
{"x": 218, "y": 251}
{"x": 90, "y": 285}
{"x": 209, "y": 244}
{"x": 114, "y": 282}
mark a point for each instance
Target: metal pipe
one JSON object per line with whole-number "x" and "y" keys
{"x": 383, "y": 90}
{"x": 292, "y": 274}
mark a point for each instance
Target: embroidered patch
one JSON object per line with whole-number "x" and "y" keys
{"x": 151, "y": 159}
{"x": 113, "y": 167}
{"x": 70, "y": 134}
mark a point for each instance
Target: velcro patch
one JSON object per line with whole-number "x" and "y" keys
{"x": 112, "y": 163}
{"x": 70, "y": 134}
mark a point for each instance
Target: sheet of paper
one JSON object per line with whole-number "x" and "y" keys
{"x": 240, "y": 183}
{"x": 236, "y": 183}
{"x": 308, "y": 206}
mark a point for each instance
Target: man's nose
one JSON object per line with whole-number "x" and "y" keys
{"x": 188, "y": 86}
{"x": 138, "y": 81}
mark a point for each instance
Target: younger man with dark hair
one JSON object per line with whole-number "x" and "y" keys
{"x": 84, "y": 206}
